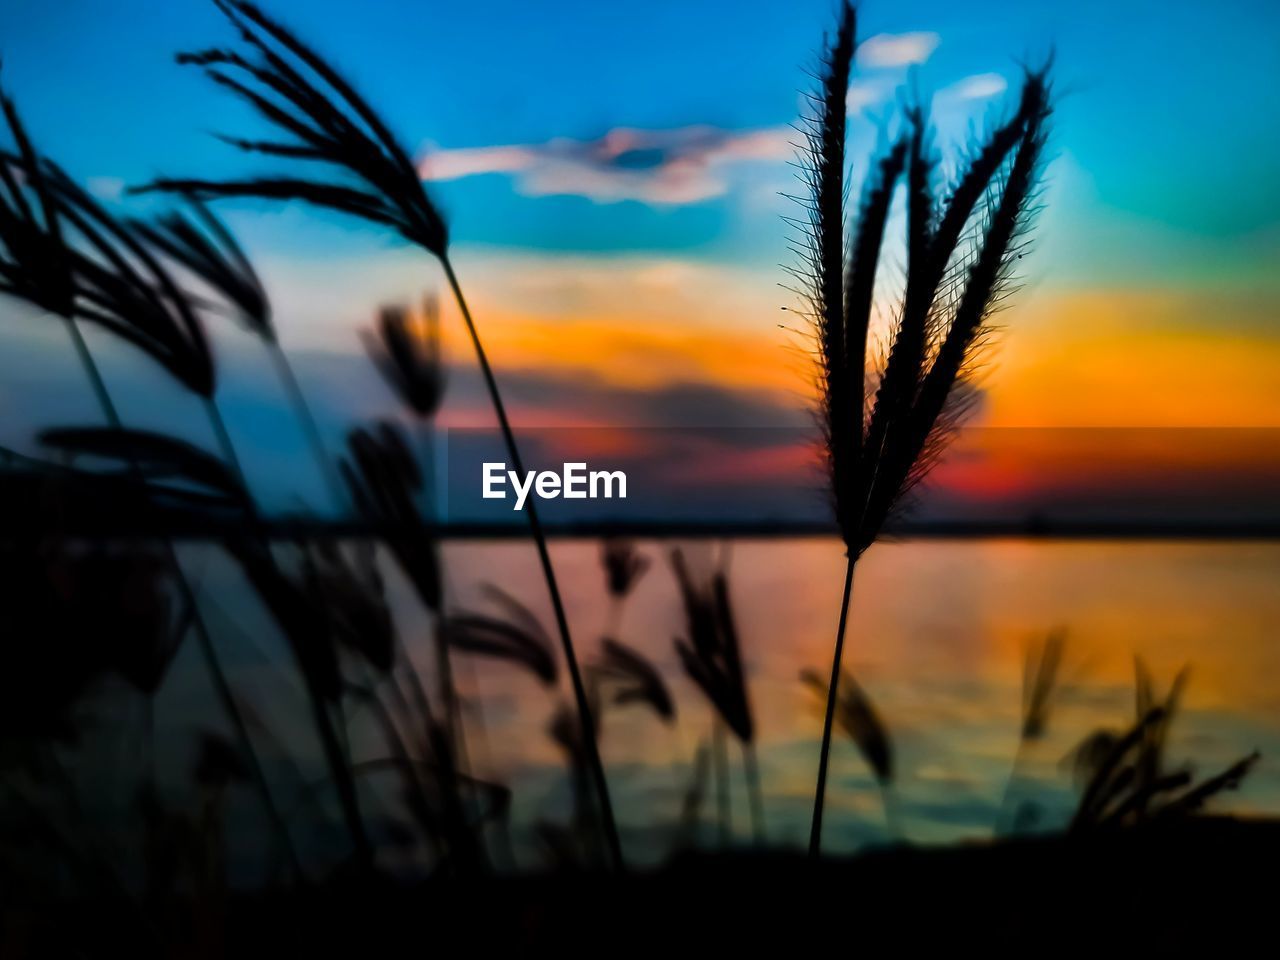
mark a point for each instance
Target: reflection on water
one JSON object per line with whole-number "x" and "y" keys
{"x": 938, "y": 637}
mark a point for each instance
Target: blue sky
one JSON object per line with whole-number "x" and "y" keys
{"x": 1166, "y": 105}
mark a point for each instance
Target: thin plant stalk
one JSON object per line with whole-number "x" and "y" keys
{"x": 222, "y": 685}
{"x": 223, "y": 438}
{"x": 889, "y": 801}
{"x": 340, "y": 764}
{"x": 310, "y": 429}
{"x": 594, "y": 762}
{"x": 1006, "y": 818}
{"x": 444, "y": 659}
{"x": 755, "y": 793}
{"x": 505, "y": 851}
{"x": 720, "y": 756}
{"x": 395, "y": 739}
{"x": 425, "y": 430}
{"x": 325, "y": 120}
{"x": 336, "y": 755}
{"x": 613, "y": 617}
{"x": 815, "y": 830}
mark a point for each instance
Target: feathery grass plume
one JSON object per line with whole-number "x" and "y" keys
{"x": 125, "y": 289}
{"x": 406, "y": 351}
{"x": 383, "y": 479}
{"x": 1125, "y": 777}
{"x": 712, "y": 657}
{"x": 367, "y": 175}
{"x": 204, "y": 246}
{"x": 353, "y": 597}
{"x": 877, "y": 456}
{"x": 861, "y": 722}
{"x": 327, "y": 124}
{"x": 1040, "y": 681}
{"x": 41, "y": 265}
{"x": 114, "y": 283}
{"x": 516, "y": 635}
{"x": 624, "y": 565}
{"x": 34, "y": 265}
{"x": 710, "y": 653}
{"x": 633, "y": 679}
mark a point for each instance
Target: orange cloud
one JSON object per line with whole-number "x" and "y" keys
{"x": 639, "y": 323}
{"x": 1137, "y": 358}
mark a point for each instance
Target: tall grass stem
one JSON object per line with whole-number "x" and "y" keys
{"x": 222, "y": 685}
{"x": 755, "y": 791}
{"x": 815, "y": 829}
{"x": 284, "y": 369}
{"x": 586, "y": 719}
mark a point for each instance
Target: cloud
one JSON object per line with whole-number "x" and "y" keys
{"x": 106, "y": 188}
{"x": 867, "y": 93}
{"x": 682, "y": 165}
{"x": 897, "y": 49}
{"x": 978, "y": 87}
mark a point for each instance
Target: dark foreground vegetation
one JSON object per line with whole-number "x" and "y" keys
{"x": 1194, "y": 887}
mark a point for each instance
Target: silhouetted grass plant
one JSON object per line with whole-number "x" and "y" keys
{"x": 1041, "y": 683}
{"x": 42, "y": 266}
{"x": 328, "y": 605}
{"x": 861, "y": 722}
{"x": 1125, "y": 776}
{"x": 878, "y": 452}
{"x": 711, "y": 655}
{"x": 368, "y": 175}
{"x": 204, "y": 246}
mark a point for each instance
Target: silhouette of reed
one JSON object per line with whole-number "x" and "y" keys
{"x": 515, "y": 636}
{"x": 125, "y": 295}
{"x": 407, "y": 352}
{"x": 1040, "y": 688}
{"x": 329, "y": 604}
{"x": 384, "y": 480}
{"x": 623, "y": 566}
{"x": 328, "y": 124}
{"x": 629, "y": 675}
{"x": 862, "y": 724}
{"x": 630, "y": 678}
{"x": 1124, "y": 774}
{"x": 877, "y": 456}
{"x": 205, "y": 248}
{"x": 711, "y": 655}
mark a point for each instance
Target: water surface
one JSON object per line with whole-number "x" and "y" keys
{"x": 939, "y": 631}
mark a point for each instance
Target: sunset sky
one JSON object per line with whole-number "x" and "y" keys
{"x": 612, "y": 177}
